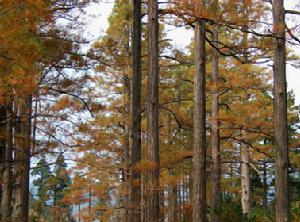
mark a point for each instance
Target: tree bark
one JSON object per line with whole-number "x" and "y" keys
{"x": 126, "y": 133}
{"x": 152, "y": 111}
{"x": 245, "y": 180}
{"x": 199, "y": 149}
{"x": 7, "y": 183}
{"x": 22, "y": 160}
{"x": 280, "y": 114}
{"x": 245, "y": 154}
{"x": 135, "y": 157}
{"x": 2, "y": 150}
{"x": 215, "y": 132}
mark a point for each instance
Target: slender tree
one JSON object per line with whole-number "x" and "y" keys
{"x": 3, "y": 145}
{"x": 245, "y": 153}
{"x": 280, "y": 114}
{"x": 215, "y": 132}
{"x": 245, "y": 179}
{"x": 135, "y": 157}
{"x": 152, "y": 113}
{"x": 199, "y": 149}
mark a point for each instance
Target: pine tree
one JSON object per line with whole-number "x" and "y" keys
{"x": 42, "y": 175}
{"x": 215, "y": 131}
{"x": 280, "y": 113}
{"x": 135, "y": 158}
{"x": 60, "y": 183}
{"x": 152, "y": 205}
{"x": 199, "y": 150}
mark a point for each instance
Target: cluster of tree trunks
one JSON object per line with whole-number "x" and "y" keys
{"x": 15, "y": 160}
{"x": 199, "y": 150}
{"x": 16, "y": 133}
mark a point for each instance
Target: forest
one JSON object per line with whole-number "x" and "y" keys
{"x": 128, "y": 126}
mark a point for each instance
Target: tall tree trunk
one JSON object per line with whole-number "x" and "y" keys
{"x": 199, "y": 149}
{"x": 135, "y": 157}
{"x": 7, "y": 183}
{"x": 2, "y": 148}
{"x": 280, "y": 114}
{"x": 152, "y": 111}
{"x": 126, "y": 133}
{"x": 245, "y": 154}
{"x": 22, "y": 160}
{"x": 245, "y": 179}
{"x": 215, "y": 132}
